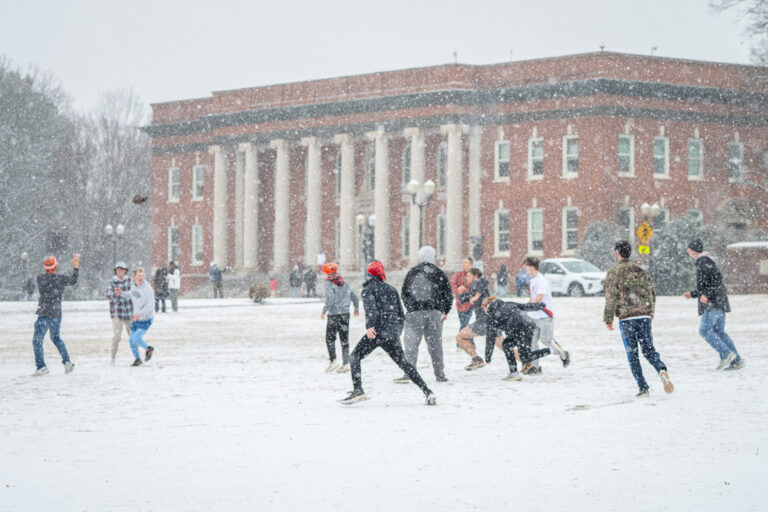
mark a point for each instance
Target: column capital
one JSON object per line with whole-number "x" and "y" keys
{"x": 413, "y": 132}
{"x": 310, "y": 141}
{"x": 342, "y": 138}
{"x": 376, "y": 134}
{"x": 246, "y": 146}
{"x": 278, "y": 144}
{"x": 445, "y": 129}
{"x": 214, "y": 149}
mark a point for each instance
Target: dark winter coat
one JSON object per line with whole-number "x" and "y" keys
{"x": 161, "y": 283}
{"x": 479, "y": 285}
{"x": 502, "y": 278}
{"x": 310, "y": 278}
{"x": 294, "y": 280}
{"x": 510, "y": 318}
{"x": 51, "y": 288}
{"x": 427, "y": 288}
{"x": 214, "y": 274}
{"x": 709, "y": 282}
{"x": 629, "y": 292}
{"x": 383, "y": 310}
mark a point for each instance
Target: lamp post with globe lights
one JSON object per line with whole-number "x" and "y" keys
{"x": 366, "y": 237}
{"x": 413, "y": 188}
{"x": 114, "y": 233}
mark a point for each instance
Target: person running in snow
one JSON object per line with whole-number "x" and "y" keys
{"x": 509, "y": 318}
{"x": 142, "y": 298}
{"x": 630, "y": 296}
{"x": 51, "y": 287}
{"x": 475, "y": 295}
{"x": 120, "y": 305}
{"x": 427, "y": 297}
{"x": 543, "y": 318}
{"x": 338, "y": 295}
{"x": 384, "y": 323}
{"x": 713, "y": 304}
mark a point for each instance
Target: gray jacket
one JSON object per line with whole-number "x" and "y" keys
{"x": 337, "y": 299}
{"x": 143, "y": 298}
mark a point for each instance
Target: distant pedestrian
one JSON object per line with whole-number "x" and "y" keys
{"x": 521, "y": 282}
{"x": 51, "y": 287}
{"x": 338, "y": 296}
{"x": 713, "y": 304}
{"x": 502, "y": 281}
{"x": 142, "y": 298}
{"x": 29, "y": 289}
{"x": 384, "y": 322}
{"x": 214, "y": 275}
{"x": 174, "y": 283}
{"x": 310, "y": 280}
{"x": 630, "y": 296}
{"x": 120, "y": 305}
{"x": 161, "y": 288}
{"x": 459, "y": 285}
{"x": 274, "y": 284}
{"x": 475, "y": 295}
{"x": 427, "y": 298}
{"x": 294, "y": 282}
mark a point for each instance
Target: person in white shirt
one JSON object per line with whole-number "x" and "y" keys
{"x": 174, "y": 283}
{"x": 545, "y": 318}
{"x": 143, "y": 299}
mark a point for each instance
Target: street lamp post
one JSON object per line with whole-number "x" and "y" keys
{"x": 413, "y": 189}
{"x": 366, "y": 237}
{"x": 649, "y": 211}
{"x": 114, "y": 234}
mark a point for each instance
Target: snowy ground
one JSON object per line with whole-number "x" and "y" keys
{"x": 235, "y": 413}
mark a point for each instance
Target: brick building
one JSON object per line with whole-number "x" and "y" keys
{"x": 523, "y": 154}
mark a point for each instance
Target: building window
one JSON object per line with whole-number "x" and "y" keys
{"x": 626, "y": 155}
{"x": 570, "y": 156}
{"x": 406, "y": 234}
{"x": 501, "y": 232}
{"x": 502, "y": 160}
{"x": 442, "y": 164}
{"x": 627, "y": 222}
{"x": 694, "y": 159}
{"x": 660, "y": 220}
{"x": 406, "y": 165}
{"x": 197, "y": 244}
{"x": 695, "y": 214}
{"x": 535, "y": 231}
{"x": 441, "y": 236}
{"x": 372, "y": 168}
{"x": 570, "y": 229}
{"x": 173, "y": 243}
{"x": 661, "y": 157}
{"x": 198, "y": 180}
{"x": 735, "y": 157}
{"x": 337, "y": 172}
{"x": 173, "y": 185}
{"x": 535, "y": 158}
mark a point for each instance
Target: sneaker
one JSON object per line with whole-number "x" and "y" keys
{"x": 355, "y": 396}
{"x": 527, "y": 367}
{"x": 477, "y": 362}
{"x": 402, "y": 380}
{"x": 332, "y": 367}
{"x": 736, "y": 365}
{"x": 557, "y": 348}
{"x": 668, "y": 386}
{"x": 41, "y": 371}
{"x": 137, "y": 362}
{"x": 513, "y": 376}
{"x": 441, "y": 378}
{"x": 726, "y": 361}
{"x": 567, "y": 359}
{"x": 344, "y": 368}
{"x": 644, "y": 393}
{"x": 148, "y": 353}
{"x": 535, "y": 370}
{"x": 68, "y": 367}
{"x": 431, "y": 399}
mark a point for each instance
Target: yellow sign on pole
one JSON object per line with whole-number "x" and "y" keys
{"x": 644, "y": 249}
{"x": 644, "y": 232}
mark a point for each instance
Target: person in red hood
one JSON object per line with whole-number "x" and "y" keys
{"x": 338, "y": 295}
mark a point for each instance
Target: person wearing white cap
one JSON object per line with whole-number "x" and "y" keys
{"x": 120, "y": 305}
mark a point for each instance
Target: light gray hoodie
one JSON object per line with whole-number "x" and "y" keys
{"x": 427, "y": 255}
{"x": 143, "y": 299}
{"x": 337, "y": 299}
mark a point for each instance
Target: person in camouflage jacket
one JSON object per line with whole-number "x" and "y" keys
{"x": 629, "y": 295}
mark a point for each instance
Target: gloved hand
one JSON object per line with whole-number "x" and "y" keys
{"x": 76, "y": 260}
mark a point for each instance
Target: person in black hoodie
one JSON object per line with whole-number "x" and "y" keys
{"x": 510, "y": 319}
{"x": 713, "y": 305}
{"x": 477, "y": 293}
{"x": 384, "y": 322}
{"x": 428, "y": 298}
{"x": 161, "y": 288}
{"x": 51, "y": 288}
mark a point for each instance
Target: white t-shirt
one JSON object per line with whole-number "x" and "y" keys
{"x": 539, "y": 286}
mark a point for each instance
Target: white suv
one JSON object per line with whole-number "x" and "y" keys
{"x": 572, "y": 276}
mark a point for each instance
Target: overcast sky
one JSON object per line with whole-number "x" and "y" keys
{"x": 172, "y": 49}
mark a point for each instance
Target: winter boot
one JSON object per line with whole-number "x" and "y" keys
{"x": 137, "y": 362}
{"x": 668, "y": 386}
{"x": 477, "y": 362}
{"x": 148, "y": 353}
{"x": 431, "y": 399}
{"x": 355, "y": 396}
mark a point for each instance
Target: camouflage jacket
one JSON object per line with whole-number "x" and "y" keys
{"x": 628, "y": 292}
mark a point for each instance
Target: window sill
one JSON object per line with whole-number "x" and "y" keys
{"x": 568, "y": 252}
{"x": 540, "y": 177}
{"x": 501, "y": 180}
{"x": 197, "y": 199}
{"x": 626, "y": 175}
{"x": 661, "y": 177}
{"x": 501, "y": 254}
{"x": 536, "y": 253}
{"x": 735, "y": 180}
{"x": 570, "y": 176}
{"x": 196, "y": 264}
{"x": 695, "y": 178}
{"x": 172, "y": 201}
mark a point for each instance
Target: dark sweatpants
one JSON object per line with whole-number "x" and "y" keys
{"x": 337, "y": 324}
{"x": 634, "y": 332}
{"x": 392, "y": 347}
{"x": 523, "y": 348}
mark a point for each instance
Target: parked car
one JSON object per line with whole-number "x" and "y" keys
{"x": 572, "y": 276}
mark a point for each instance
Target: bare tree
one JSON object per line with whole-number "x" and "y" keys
{"x": 756, "y": 12}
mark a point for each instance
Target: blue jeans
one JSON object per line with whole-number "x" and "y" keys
{"x": 634, "y": 332}
{"x": 294, "y": 291}
{"x": 138, "y": 328}
{"x": 712, "y": 329}
{"x": 42, "y": 325}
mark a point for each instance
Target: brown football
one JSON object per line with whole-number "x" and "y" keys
{"x": 138, "y": 199}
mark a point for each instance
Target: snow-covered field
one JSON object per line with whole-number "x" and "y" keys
{"x": 236, "y": 413}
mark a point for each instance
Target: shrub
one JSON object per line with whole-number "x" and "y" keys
{"x": 258, "y": 292}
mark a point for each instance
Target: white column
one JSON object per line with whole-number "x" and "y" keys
{"x": 474, "y": 181}
{"x": 219, "y": 205}
{"x": 453, "y": 202}
{"x": 381, "y": 197}
{"x": 239, "y": 175}
{"x": 347, "y": 202}
{"x": 282, "y": 226}
{"x": 313, "y": 192}
{"x": 417, "y": 173}
{"x": 250, "y": 206}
